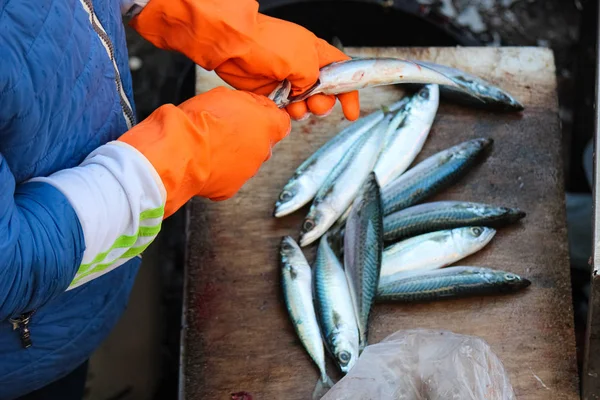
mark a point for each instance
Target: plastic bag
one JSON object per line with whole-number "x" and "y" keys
{"x": 425, "y": 365}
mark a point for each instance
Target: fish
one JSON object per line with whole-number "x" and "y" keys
{"x": 343, "y": 183}
{"x": 312, "y": 173}
{"x": 334, "y": 307}
{"x": 358, "y": 73}
{"x": 440, "y": 215}
{"x": 432, "y": 250}
{"x": 296, "y": 281}
{"x": 432, "y": 175}
{"x": 473, "y": 91}
{"x": 363, "y": 248}
{"x": 451, "y": 282}
{"x": 404, "y": 144}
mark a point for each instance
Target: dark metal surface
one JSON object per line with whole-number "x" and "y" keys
{"x": 591, "y": 366}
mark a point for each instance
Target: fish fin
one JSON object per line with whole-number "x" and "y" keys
{"x": 322, "y": 387}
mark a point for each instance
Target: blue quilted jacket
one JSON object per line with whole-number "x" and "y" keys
{"x": 58, "y": 103}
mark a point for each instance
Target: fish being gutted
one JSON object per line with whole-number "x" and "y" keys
{"x": 343, "y": 183}
{"x": 359, "y": 73}
{"x": 432, "y": 250}
{"x": 432, "y": 175}
{"x": 363, "y": 245}
{"x": 296, "y": 280}
{"x": 440, "y": 215}
{"x": 402, "y": 145}
{"x": 313, "y": 172}
{"x": 450, "y": 282}
{"x": 334, "y": 307}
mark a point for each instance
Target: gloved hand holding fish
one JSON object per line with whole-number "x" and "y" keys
{"x": 377, "y": 240}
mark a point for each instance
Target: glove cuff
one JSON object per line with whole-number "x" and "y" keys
{"x": 177, "y": 149}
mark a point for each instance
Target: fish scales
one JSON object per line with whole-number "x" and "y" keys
{"x": 450, "y": 282}
{"x": 432, "y": 175}
{"x": 334, "y": 307}
{"x": 296, "y": 281}
{"x": 363, "y": 246}
{"x": 343, "y": 184}
{"x": 440, "y": 215}
{"x": 432, "y": 250}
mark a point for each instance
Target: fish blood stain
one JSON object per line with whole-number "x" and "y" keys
{"x": 358, "y": 75}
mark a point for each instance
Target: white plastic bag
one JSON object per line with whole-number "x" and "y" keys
{"x": 425, "y": 365}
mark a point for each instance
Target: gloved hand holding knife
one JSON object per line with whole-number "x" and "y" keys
{"x": 250, "y": 51}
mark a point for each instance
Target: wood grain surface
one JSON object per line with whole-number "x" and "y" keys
{"x": 238, "y": 335}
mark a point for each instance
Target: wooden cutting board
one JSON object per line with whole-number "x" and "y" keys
{"x": 238, "y": 336}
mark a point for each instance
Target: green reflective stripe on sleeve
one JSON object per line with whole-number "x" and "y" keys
{"x": 149, "y": 230}
{"x": 152, "y": 213}
{"x": 121, "y": 242}
{"x": 125, "y": 241}
{"x": 134, "y": 251}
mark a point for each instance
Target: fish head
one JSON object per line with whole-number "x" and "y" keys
{"x": 427, "y": 94}
{"x": 502, "y": 100}
{"x": 345, "y": 351}
{"x": 472, "y": 147}
{"x": 472, "y": 238}
{"x": 317, "y": 222}
{"x": 508, "y": 282}
{"x": 293, "y": 196}
{"x": 291, "y": 255}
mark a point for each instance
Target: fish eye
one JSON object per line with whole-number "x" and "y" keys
{"x": 510, "y": 277}
{"x": 477, "y": 230}
{"x": 424, "y": 94}
{"x": 344, "y": 357}
{"x": 285, "y": 195}
{"x": 286, "y": 246}
{"x": 308, "y": 225}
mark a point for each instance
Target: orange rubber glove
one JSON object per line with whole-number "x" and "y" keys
{"x": 248, "y": 50}
{"x": 210, "y": 145}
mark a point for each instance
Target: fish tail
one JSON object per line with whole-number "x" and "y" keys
{"x": 323, "y": 385}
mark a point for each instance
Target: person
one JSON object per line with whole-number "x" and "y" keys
{"x": 85, "y": 187}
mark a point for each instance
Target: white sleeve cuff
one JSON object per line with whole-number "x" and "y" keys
{"x": 131, "y": 8}
{"x": 119, "y": 200}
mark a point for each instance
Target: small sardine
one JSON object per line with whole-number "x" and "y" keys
{"x": 359, "y": 73}
{"x": 432, "y": 250}
{"x": 473, "y": 91}
{"x": 296, "y": 280}
{"x": 312, "y": 173}
{"x": 343, "y": 183}
{"x": 432, "y": 175}
{"x": 363, "y": 246}
{"x": 440, "y": 215}
{"x": 404, "y": 144}
{"x": 334, "y": 307}
{"x": 451, "y": 282}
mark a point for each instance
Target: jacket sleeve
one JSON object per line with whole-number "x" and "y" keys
{"x": 41, "y": 244}
{"x": 61, "y": 231}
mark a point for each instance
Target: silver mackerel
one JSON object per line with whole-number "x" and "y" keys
{"x": 363, "y": 247}
{"x": 296, "y": 280}
{"x": 334, "y": 307}
{"x": 343, "y": 184}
